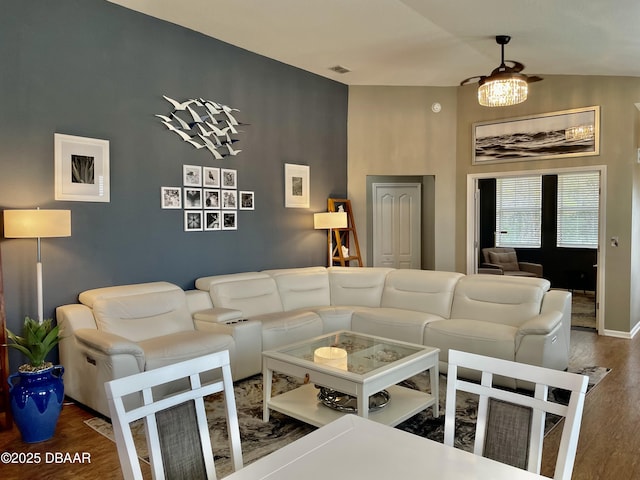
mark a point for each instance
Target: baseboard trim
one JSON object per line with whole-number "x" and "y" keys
{"x": 619, "y": 334}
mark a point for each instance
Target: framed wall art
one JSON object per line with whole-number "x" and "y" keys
{"x": 191, "y": 176}
{"x": 568, "y": 133}
{"x": 229, "y": 178}
{"x": 81, "y": 168}
{"x": 211, "y": 177}
{"x": 192, "y": 198}
{"x": 229, "y": 221}
{"x": 171, "y": 197}
{"x": 229, "y": 199}
{"x": 296, "y": 186}
{"x": 247, "y": 201}
{"x": 193, "y": 220}
{"x": 212, "y": 220}
{"x": 211, "y": 198}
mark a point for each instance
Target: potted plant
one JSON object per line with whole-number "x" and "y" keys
{"x": 36, "y": 390}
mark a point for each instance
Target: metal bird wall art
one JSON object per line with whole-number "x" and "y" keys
{"x": 205, "y": 124}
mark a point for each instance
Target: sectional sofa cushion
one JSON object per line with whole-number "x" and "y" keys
{"x": 302, "y": 287}
{"x": 420, "y": 290}
{"x": 205, "y": 283}
{"x": 282, "y": 328}
{"x": 357, "y": 286}
{"x": 255, "y": 296}
{"x": 179, "y": 346}
{"x": 396, "y": 323}
{"x": 497, "y": 299}
{"x": 335, "y": 318}
{"x": 144, "y": 316}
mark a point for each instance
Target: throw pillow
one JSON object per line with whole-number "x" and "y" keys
{"x": 507, "y": 261}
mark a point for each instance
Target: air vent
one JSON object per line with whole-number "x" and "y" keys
{"x": 340, "y": 69}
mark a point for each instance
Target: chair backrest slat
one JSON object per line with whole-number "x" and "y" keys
{"x": 538, "y": 404}
{"x": 170, "y": 407}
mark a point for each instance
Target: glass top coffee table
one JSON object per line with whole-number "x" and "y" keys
{"x": 364, "y": 367}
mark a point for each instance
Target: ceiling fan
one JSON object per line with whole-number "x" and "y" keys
{"x": 506, "y": 85}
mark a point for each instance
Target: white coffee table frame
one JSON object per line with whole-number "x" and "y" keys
{"x": 302, "y": 403}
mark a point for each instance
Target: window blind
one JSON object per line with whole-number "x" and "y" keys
{"x": 519, "y": 211}
{"x": 577, "y": 215}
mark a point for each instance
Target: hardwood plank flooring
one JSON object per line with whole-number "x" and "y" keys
{"x": 609, "y": 447}
{"x": 72, "y": 437}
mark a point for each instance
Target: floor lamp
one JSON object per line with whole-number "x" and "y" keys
{"x": 330, "y": 220}
{"x": 5, "y": 401}
{"x": 37, "y": 224}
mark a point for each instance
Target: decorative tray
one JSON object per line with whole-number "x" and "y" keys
{"x": 349, "y": 404}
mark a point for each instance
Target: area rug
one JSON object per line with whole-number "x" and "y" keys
{"x": 583, "y": 313}
{"x": 260, "y": 438}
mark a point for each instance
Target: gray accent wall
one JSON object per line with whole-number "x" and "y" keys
{"x": 94, "y": 69}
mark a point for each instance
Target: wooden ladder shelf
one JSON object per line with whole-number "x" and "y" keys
{"x": 347, "y": 237}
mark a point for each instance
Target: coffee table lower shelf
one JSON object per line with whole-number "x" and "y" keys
{"x": 302, "y": 403}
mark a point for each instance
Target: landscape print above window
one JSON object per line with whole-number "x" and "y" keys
{"x": 569, "y": 133}
{"x": 204, "y": 124}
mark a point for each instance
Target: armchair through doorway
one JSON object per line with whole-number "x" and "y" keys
{"x": 504, "y": 261}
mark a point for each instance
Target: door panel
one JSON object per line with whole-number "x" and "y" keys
{"x": 397, "y": 225}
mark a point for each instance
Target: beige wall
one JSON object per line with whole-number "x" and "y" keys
{"x": 392, "y": 131}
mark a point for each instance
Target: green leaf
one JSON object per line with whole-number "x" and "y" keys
{"x": 37, "y": 341}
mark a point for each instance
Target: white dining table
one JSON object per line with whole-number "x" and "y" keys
{"x": 353, "y": 447}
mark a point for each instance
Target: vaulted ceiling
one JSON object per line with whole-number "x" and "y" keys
{"x": 419, "y": 42}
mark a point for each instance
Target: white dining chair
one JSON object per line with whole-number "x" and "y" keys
{"x": 176, "y": 426}
{"x": 510, "y": 424}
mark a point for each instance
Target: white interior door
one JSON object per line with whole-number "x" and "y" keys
{"x": 397, "y": 225}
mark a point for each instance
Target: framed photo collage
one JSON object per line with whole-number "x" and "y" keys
{"x": 209, "y": 197}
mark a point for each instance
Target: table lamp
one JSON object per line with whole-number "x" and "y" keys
{"x": 37, "y": 224}
{"x": 330, "y": 220}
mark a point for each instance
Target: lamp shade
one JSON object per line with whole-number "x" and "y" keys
{"x": 326, "y": 220}
{"x": 37, "y": 223}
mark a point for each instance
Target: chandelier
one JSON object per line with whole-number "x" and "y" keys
{"x": 502, "y": 92}
{"x": 505, "y": 85}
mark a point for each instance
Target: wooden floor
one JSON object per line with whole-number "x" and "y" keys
{"x": 609, "y": 446}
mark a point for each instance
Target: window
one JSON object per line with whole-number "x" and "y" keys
{"x": 519, "y": 211}
{"x": 578, "y": 201}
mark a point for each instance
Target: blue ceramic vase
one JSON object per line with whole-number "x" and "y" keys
{"x": 36, "y": 402}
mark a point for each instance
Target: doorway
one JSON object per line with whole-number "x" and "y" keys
{"x": 474, "y": 238}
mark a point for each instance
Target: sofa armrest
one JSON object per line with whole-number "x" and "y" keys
{"x": 247, "y": 335}
{"x": 217, "y": 315}
{"x": 534, "y": 268}
{"x": 108, "y": 343}
{"x": 197, "y": 300}
{"x": 541, "y": 325}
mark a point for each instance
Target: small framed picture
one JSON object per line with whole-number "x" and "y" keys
{"x": 296, "y": 186}
{"x": 246, "y": 201}
{"x": 192, "y": 220}
{"x": 230, "y": 199}
{"x": 211, "y": 198}
{"x": 192, "y": 198}
{"x": 211, "y": 177}
{"x": 229, "y": 221}
{"x": 229, "y": 178}
{"x": 81, "y": 168}
{"x": 212, "y": 220}
{"x": 191, "y": 176}
{"x": 171, "y": 197}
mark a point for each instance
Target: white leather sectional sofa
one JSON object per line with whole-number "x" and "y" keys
{"x": 115, "y": 331}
